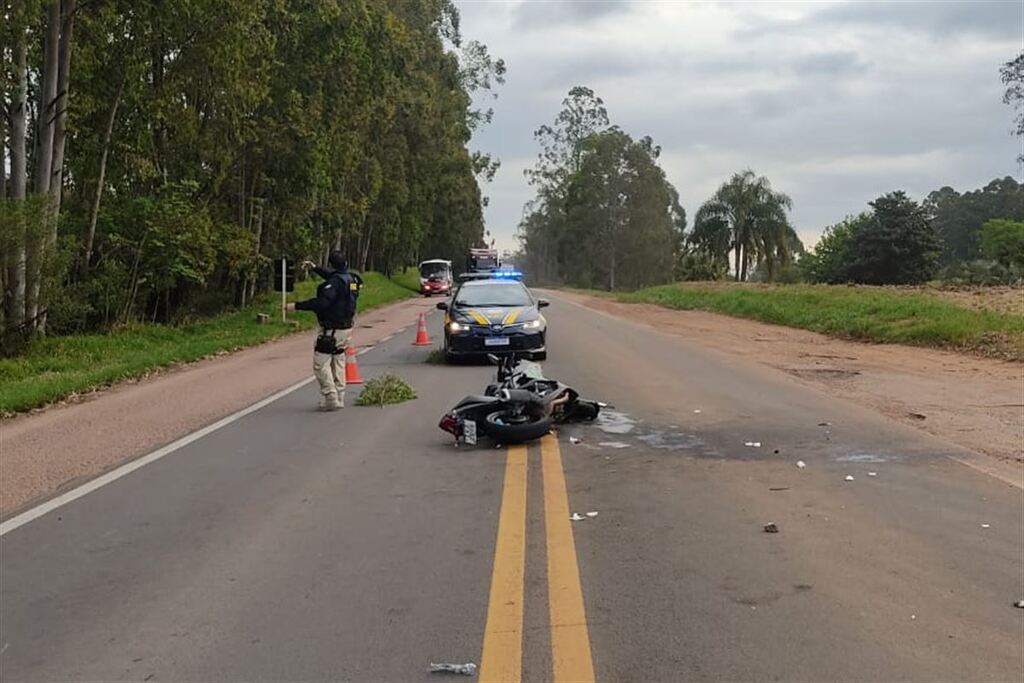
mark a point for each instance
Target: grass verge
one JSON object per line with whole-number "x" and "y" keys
{"x": 877, "y": 314}
{"x": 54, "y": 368}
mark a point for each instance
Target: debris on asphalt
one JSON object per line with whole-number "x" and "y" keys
{"x": 577, "y": 517}
{"x": 612, "y": 422}
{"x": 753, "y": 444}
{"x": 986, "y": 526}
{"x": 801, "y": 464}
{"x": 696, "y": 411}
{"x": 771, "y": 528}
{"x": 385, "y": 390}
{"x": 776, "y": 451}
{"x": 849, "y": 477}
{"x": 779, "y": 488}
{"x": 913, "y": 616}
{"x": 872, "y": 474}
{"x": 467, "y": 669}
{"x": 1019, "y": 604}
{"x": 613, "y": 444}
{"x": 592, "y": 513}
{"x": 917, "y": 416}
{"x": 575, "y": 440}
{"x": 824, "y": 424}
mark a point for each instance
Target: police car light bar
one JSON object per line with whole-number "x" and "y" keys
{"x": 491, "y": 275}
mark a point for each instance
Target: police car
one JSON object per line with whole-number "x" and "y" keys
{"x": 495, "y": 314}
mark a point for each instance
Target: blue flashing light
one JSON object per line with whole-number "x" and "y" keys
{"x": 510, "y": 274}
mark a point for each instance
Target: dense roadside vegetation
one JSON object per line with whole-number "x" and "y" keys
{"x": 158, "y": 153}
{"x": 876, "y": 314}
{"x": 53, "y": 368}
{"x": 605, "y": 216}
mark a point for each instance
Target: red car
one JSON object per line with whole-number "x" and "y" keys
{"x": 435, "y": 277}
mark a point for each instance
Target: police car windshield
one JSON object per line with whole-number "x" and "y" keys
{"x": 493, "y": 294}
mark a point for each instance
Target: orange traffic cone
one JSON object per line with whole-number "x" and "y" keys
{"x": 351, "y": 367}
{"x": 421, "y": 333}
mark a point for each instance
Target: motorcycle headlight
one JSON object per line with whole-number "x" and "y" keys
{"x": 532, "y": 325}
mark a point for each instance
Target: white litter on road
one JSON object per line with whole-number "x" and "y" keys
{"x": 575, "y": 440}
{"x": 986, "y": 526}
{"x": 613, "y": 444}
{"x": 872, "y": 474}
{"x": 801, "y": 464}
{"x": 697, "y": 411}
{"x": 577, "y": 517}
{"x": 753, "y": 444}
{"x": 467, "y": 669}
{"x": 592, "y": 514}
{"x": 849, "y": 477}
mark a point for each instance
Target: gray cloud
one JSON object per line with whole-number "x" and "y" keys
{"x": 835, "y": 110}
{"x": 831, "y": 63}
{"x": 532, "y": 14}
{"x": 999, "y": 19}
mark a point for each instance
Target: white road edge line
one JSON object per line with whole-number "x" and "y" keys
{"x": 129, "y": 467}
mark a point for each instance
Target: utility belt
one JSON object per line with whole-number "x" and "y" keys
{"x": 326, "y": 342}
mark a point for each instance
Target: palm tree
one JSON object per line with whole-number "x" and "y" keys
{"x": 749, "y": 218}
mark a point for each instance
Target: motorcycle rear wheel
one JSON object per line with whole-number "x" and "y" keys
{"x": 504, "y": 427}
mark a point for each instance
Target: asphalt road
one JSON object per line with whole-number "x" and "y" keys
{"x": 361, "y": 545}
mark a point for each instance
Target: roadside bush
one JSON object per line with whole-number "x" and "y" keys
{"x": 827, "y": 263}
{"x": 980, "y": 272}
{"x": 697, "y": 266}
{"x": 1003, "y": 242}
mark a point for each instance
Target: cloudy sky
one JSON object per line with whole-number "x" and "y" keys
{"x": 836, "y": 102}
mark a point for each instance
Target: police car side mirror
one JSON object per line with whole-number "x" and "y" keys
{"x": 442, "y": 305}
{"x": 543, "y": 303}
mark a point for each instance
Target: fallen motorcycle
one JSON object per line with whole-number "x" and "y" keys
{"x": 520, "y": 405}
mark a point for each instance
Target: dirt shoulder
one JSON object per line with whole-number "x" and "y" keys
{"x": 47, "y": 451}
{"x": 973, "y": 402}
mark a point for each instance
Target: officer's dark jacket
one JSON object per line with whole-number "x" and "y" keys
{"x": 335, "y": 300}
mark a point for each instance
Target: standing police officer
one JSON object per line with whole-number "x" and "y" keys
{"x": 335, "y": 308}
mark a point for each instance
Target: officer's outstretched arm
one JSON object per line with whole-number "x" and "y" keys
{"x": 324, "y": 299}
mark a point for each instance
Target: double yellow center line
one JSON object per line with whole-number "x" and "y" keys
{"x": 503, "y": 636}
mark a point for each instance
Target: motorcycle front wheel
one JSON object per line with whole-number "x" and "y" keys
{"x": 504, "y": 426}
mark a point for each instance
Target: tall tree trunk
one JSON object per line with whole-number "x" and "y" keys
{"x": 15, "y": 297}
{"x": 45, "y": 127}
{"x": 3, "y": 154}
{"x": 251, "y": 282}
{"x": 90, "y": 235}
{"x": 739, "y": 255}
{"x": 6, "y": 231}
{"x": 61, "y": 108}
{"x": 157, "y": 65}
